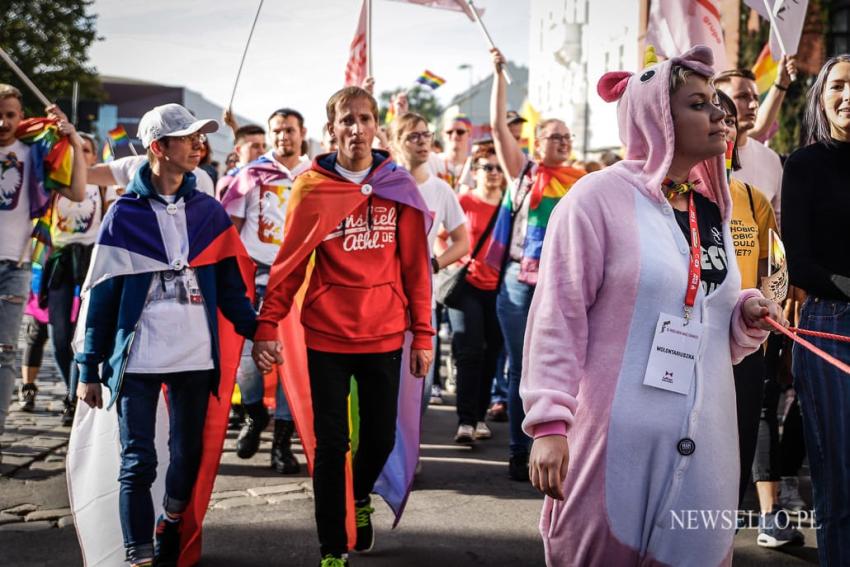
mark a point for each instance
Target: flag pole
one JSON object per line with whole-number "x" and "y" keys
{"x": 369, "y": 38}
{"x": 244, "y": 53}
{"x": 488, "y": 38}
{"x": 24, "y": 78}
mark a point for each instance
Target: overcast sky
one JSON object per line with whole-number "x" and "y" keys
{"x": 300, "y": 47}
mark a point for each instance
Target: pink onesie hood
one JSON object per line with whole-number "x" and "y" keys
{"x": 646, "y": 127}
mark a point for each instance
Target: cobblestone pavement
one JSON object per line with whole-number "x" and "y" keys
{"x": 463, "y": 511}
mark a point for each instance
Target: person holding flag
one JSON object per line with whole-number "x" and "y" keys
{"x": 168, "y": 273}
{"x": 365, "y": 223}
{"x": 256, "y": 200}
{"x": 27, "y": 184}
{"x": 534, "y": 188}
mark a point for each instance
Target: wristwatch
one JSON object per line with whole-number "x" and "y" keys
{"x": 435, "y": 265}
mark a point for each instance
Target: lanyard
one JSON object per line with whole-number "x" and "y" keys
{"x": 694, "y": 268}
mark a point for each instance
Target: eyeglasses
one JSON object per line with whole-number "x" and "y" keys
{"x": 416, "y": 137}
{"x": 191, "y": 138}
{"x": 457, "y": 131}
{"x": 558, "y": 138}
{"x": 490, "y": 168}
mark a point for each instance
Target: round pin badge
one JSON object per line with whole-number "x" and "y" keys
{"x": 171, "y": 209}
{"x": 366, "y": 189}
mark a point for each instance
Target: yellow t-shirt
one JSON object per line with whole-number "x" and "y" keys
{"x": 751, "y": 220}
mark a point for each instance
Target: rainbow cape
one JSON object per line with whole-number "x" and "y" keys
{"x": 549, "y": 185}
{"x": 51, "y": 156}
{"x": 130, "y": 242}
{"x": 320, "y": 200}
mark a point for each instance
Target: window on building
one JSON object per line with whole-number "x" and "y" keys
{"x": 839, "y": 27}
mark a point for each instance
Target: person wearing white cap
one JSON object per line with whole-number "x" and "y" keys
{"x": 121, "y": 171}
{"x": 167, "y": 262}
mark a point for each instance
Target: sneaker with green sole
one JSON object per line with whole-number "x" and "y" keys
{"x": 331, "y": 560}
{"x": 363, "y": 518}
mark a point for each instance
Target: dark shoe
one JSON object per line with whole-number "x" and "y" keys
{"x": 498, "y": 412}
{"x": 331, "y": 560}
{"x": 518, "y": 468}
{"x": 236, "y": 418}
{"x": 256, "y": 420}
{"x": 166, "y": 547}
{"x": 283, "y": 461}
{"x": 26, "y": 397}
{"x": 363, "y": 518}
{"x": 68, "y": 412}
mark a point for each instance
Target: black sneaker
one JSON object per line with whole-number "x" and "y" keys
{"x": 68, "y": 412}
{"x": 365, "y": 533}
{"x": 26, "y": 397}
{"x": 166, "y": 549}
{"x": 256, "y": 420}
{"x": 518, "y": 468}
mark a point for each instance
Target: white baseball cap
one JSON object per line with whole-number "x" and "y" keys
{"x": 171, "y": 120}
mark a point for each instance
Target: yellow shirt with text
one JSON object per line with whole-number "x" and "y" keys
{"x": 752, "y": 216}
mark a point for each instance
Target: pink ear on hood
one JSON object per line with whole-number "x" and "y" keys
{"x": 611, "y": 85}
{"x": 699, "y": 58}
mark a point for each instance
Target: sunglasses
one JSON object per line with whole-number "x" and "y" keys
{"x": 457, "y": 131}
{"x": 489, "y": 168}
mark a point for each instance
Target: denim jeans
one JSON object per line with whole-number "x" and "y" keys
{"x": 14, "y": 288}
{"x": 434, "y": 371}
{"x": 499, "y": 391}
{"x": 377, "y": 376}
{"x": 250, "y": 379}
{"x": 476, "y": 343}
{"x": 512, "y": 307}
{"x": 824, "y": 394}
{"x": 188, "y": 395}
{"x": 61, "y": 303}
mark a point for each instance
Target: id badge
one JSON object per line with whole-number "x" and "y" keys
{"x": 673, "y": 356}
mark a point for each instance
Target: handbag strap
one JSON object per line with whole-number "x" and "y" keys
{"x": 485, "y": 234}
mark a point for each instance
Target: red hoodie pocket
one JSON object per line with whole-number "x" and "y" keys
{"x": 356, "y": 313}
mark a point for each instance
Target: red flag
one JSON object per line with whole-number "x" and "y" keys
{"x": 355, "y": 70}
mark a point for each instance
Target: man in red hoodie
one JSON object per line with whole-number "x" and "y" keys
{"x": 366, "y": 221}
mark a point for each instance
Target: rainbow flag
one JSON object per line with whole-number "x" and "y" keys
{"x": 106, "y": 155}
{"x": 766, "y": 70}
{"x": 320, "y": 199}
{"x": 429, "y": 79}
{"x": 51, "y": 149}
{"x": 119, "y": 136}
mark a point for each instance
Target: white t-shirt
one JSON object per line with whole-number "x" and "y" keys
{"x": 173, "y": 334}
{"x": 264, "y": 211}
{"x": 761, "y": 168}
{"x": 76, "y": 223}
{"x": 353, "y": 176}
{"x": 443, "y": 204}
{"x": 443, "y": 167}
{"x": 124, "y": 169}
{"x": 15, "y": 221}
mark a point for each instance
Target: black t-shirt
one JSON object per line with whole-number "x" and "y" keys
{"x": 714, "y": 263}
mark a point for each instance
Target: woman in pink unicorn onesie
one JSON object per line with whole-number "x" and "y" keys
{"x": 637, "y": 319}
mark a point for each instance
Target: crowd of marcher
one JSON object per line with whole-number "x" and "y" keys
{"x": 591, "y": 305}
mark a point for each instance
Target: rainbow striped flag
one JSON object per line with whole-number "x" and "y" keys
{"x": 51, "y": 149}
{"x": 106, "y": 154}
{"x": 42, "y": 241}
{"x": 119, "y": 136}
{"x": 429, "y": 79}
{"x": 766, "y": 70}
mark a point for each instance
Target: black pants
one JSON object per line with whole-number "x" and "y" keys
{"x": 792, "y": 447}
{"x": 61, "y": 304}
{"x": 37, "y": 336}
{"x": 749, "y": 384}
{"x": 476, "y": 344}
{"x": 377, "y": 376}
{"x": 766, "y": 462}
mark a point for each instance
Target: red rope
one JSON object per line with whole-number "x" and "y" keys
{"x": 806, "y": 344}
{"x": 819, "y": 334}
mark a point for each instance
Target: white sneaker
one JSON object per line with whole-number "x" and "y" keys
{"x": 436, "y": 396}
{"x": 465, "y": 434}
{"x": 482, "y": 431}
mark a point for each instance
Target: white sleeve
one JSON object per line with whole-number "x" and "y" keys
{"x": 204, "y": 182}
{"x": 453, "y": 215}
{"x": 124, "y": 169}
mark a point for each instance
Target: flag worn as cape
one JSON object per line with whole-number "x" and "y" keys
{"x": 320, "y": 200}
{"x": 261, "y": 171}
{"x": 133, "y": 245}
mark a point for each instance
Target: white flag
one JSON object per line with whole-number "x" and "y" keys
{"x": 789, "y": 16}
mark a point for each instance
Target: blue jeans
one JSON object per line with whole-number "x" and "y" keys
{"x": 512, "y": 308}
{"x": 14, "y": 289}
{"x": 824, "y": 395}
{"x": 188, "y": 395}
{"x": 250, "y": 379}
{"x": 499, "y": 391}
{"x": 61, "y": 303}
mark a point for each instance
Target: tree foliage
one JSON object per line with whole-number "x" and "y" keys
{"x": 49, "y": 40}
{"x": 420, "y": 100}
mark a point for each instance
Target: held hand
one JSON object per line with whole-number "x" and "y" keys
{"x": 228, "y": 118}
{"x": 90, "y": 394}
{"x": 548, "y": 463}
{"x": 787, "y": 70}
{"x": 420, "y": 361}
{"x": 266, "y": 354}
{"x": 369, "y": 85}
{"x": 64, "y": 125}
{"x": 499, "y": 60}
{"x": 755, "y": 309}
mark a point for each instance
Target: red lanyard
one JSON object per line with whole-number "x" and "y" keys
{"x": 694, "y": 269}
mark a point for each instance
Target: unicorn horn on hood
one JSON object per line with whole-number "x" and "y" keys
{"x": 649, "y": 56}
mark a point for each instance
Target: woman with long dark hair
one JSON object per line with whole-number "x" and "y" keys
{"x": 816, "y": 198}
